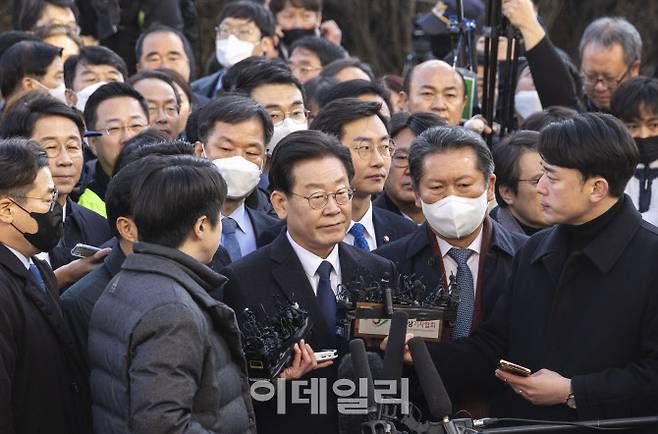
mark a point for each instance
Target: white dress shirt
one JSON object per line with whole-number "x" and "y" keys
{"x": 21, "y": 257}
{"x": 369, "y": 233}
{"x": 450, "y": 266}
{"x": 633, "y": 190}
{"x": 311, "y": 262}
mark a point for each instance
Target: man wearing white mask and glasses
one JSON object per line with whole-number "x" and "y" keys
{"x": 234, "y": 130}
{"x": 245, "y": 29}
{"x": 452, "y": 174}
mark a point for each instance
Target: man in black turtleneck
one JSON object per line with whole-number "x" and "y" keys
{"x": 581, "y": 310}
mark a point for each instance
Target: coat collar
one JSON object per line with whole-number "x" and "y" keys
{"x": 606, "y": 247}
{"x": 115, "y": 259}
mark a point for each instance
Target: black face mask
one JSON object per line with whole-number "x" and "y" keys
{"x": 648, "y": 149}
{"x": 290, "y": 36}
{"x": 50, "y": 228}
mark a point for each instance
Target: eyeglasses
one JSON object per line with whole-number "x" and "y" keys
{"x": 52, "y": 201}
{"x": 54, "y": 150}
{"x": 319, "y": 200}
{"x": 242, "y": 33}
{"x": 303, "y": 70}
{"x": 299, "y": 115}
{"x": 365, "y": 148}
{"x": 170, "y": 110}
{"x": 401, "y": 160}
{"x": 590, "y": 80}
{"x": 533, "y": 181}
{"x": 116, "y": 131}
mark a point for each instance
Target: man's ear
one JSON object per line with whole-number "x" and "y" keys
{"x": 635, "y": 68}
{"x": 280, "y": 204}
{"x": 127, "y": 229}
{"x": 404, "y": 100}
{"x": 6, "y": 216}
{"x": 199, "y": 150}
{"x": 599, "y": 190}
{"x": 265, "y": 46}
{"x": 491, "y": 188}
{"x": 91, "y": 142}
{"x": 417, "y": 200}
{"x": 506, "y": 194}
{"x": 71, "y": 97}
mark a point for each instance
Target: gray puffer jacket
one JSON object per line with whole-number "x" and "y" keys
{"x": 165, "y": 356}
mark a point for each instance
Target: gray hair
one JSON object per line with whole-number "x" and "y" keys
{"x": 607, "y": 31}
{"x": 445, "y": 138}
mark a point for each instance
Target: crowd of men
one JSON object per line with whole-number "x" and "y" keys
{"x": 290, "y": 169}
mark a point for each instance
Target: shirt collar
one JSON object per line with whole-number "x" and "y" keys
{"x": 21, "y": 257}
{"x": 311, "y": 261}
{"x": 366, "y": 221}
{"x": 476, "y": 245}
{"x": 240, "y": 216}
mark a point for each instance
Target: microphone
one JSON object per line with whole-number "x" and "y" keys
{"x": 351, "y": 423}
{"x": 395, "y": 349}
{"x": 438, "y": 402}
{"x": 362, "y": 370}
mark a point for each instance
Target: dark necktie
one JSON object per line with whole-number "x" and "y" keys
{"x": 326, "y": 296}
{"x": 229, "y": 240}
{"x": 645, "y": 175}
{"x": 466, "y": 293}
{"x": 360, "y": 242}
{"x": 37, "y": 276}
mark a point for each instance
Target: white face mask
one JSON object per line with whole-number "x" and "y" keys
{"x": 280, "y": 131}
{"x": 240, "y": 174}
{"x": 527, "y": 102}
{"x": 455, "y": 216}
{"x": 85, "y": 93}
{"x": 231, "y": 50}
{"x": 59, "y": 93}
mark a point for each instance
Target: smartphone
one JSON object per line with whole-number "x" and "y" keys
{"x": 84, "y": 250}
{"x": 323, "y": 356}
{"x": 513, "y": 368}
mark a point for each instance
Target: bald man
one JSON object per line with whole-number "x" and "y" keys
{"x": 434, "y": 86}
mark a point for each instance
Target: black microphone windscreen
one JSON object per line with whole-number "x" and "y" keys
{"x": 438, "y": 401}
{"x": 362, "y": 368}
{"x": 395, "y": 347}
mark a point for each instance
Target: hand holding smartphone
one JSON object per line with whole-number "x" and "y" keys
{"x": 513, "y": 368}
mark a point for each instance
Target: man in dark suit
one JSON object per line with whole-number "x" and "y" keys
{"x": 234, "y": 130}
{"x": 58, "y": 129}
{"x": 310, "y": 178}
{"x": 245, "y": 29}
{"x": 43, "y": 386}
{"x": 361, "y": 128}
{"x": 581, "y": 308}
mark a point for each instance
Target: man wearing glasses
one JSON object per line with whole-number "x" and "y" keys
{"x": 58, "y": 129}
{"x": 114, "y": 114}
{"x": 610, "y": 52}
{"x": 518, "y": 170}
{"x": 361, "y": 128}
{"x": 310, "y": 182}
{"x": 43, "y": 385}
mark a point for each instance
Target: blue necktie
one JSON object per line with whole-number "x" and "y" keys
{"x": 360, "y": 242}
{"x": 646, "y": 175}
{"x": 37, "y": 276}
{"x": 229, "y": 240}
{"x": 466, "y": 294}
{"x": 326, "y": 296}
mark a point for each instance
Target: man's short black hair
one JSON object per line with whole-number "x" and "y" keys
{"x": 171, "y": 197}
{"x": 326, "y": 51}
{"x": 447, "y": 138}
{"x": 93, "y": 55}
{"x": 146, "y": 74}
{"x": 20, "y": 161}
{"x": 161, "y": 28}
{"x": 303, "y": 146}
{"x": 333, "y": 117}
{"x": 538, "y": 120}
{"x": 118, "y": 198}
{"x": 338, "y": 65}
{"x": 416, "y": 122}
{"x": 22, "y": 59}
{"x": 277, "y": 6}
{"x": 109, "y": 91}
{"x": 354, "y": 88}
{"x": 595, "y": 144}
{"x": 232, "y": 109}
{"x": 31, "y": 11}
{"x": 7, "y": 39}
{"x": 631, "y": 95}
{"x": 507, "y": 154}
{"x": 250, "y": 11}
{"x": 248, "y": 74}
{"x": 23, "y": 116}
{"x": 146, "y": 139}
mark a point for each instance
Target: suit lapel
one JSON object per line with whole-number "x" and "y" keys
{"x": 293, "y": 282}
